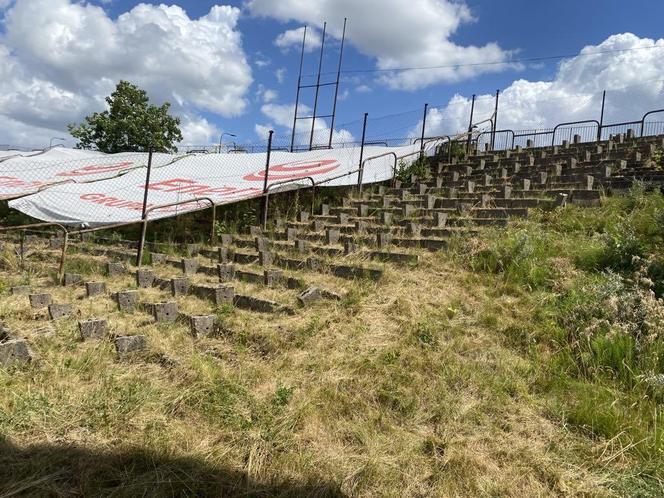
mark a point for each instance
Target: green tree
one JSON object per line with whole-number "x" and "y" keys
{"x": 131, "y": 123}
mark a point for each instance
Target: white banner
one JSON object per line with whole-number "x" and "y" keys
{"x": 97, "y": 189}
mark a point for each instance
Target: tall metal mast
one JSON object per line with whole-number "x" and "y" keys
{"x": 336, "y": 91}
{"x": 299, "y": 86}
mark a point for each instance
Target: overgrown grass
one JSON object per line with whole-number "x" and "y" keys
{"x": 592, "y": 278}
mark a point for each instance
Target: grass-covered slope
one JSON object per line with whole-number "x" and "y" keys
{"x": 523, "y": 362}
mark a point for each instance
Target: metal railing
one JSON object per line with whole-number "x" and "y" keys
{"x": 146, "y": 220}
{"x": 65, "y": 242}
{"x": 266, "y": 195}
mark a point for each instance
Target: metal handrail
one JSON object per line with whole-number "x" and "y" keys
{"x": 643, "y": 119}
{"x": 145, "y": 221}
{"x": 555, "y": 128}
{"x": 495, "y": 133}
{"x": 63, "y": 256}
{"x": 360, "y": 175}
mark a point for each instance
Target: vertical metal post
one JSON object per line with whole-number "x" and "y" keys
{"x": 299, "y": 86}
{"x": 320, "y": 67}
{"x": 360, "y": 173}
{"x": 63, "y": 257}
{"x": 265, "y": 180}
{"x": 336, "y": 91}
{"x": 21, "y": 248}
{"x": 141, "y": 245}
{"x": 424, "y": 127}
{"x": 470, "y": 124}
{"x": 601, "y": 118}
{"x": 213, "y": 233}
{"x": 495, "y": 123}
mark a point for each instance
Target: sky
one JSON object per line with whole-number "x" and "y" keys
{"x": 232, "y": 67}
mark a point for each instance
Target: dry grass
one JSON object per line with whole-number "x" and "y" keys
{"x": 400, "y": 389}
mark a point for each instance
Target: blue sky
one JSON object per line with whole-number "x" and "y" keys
{"x": 514, "y": 29}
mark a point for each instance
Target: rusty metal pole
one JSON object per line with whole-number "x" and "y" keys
{"x": 601, "y": 118}
{"x": 424, "y": 126}
{"x": 470, "y": 124}
{"x": 141, "y": 245}
{"x": 495, "y": 123}
{"x": 264, "y": 200}
{"x": 63, "y": 257}
{"x": 360, "y": 173}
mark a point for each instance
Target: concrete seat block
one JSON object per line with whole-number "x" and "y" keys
{"x": 165, "y": 312}
{"x": 127, "y": 301}
{"x": 57, "y": 311}
{"x": 20, "y": 290}
{"x": 310, "y": 296}
{"x": 179, "y": 286}
{"x": 93, "y": 289}
{"x": 127, "y": 346}
{"x": 40, "y": 300}
{"x": 202, "y": 325}
{"x": 72, "y": 279}
{"x": 113, "y": 269}
{"x": 189, "y": 266}
{"x": 14, "y": 352}
{"x": 93, "y": 329}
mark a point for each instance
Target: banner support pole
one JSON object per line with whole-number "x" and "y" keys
{"x": 424, "y": 125}
{"x": 360, "y": 173}
{"x": 141, "y": 245}
{"x": 265, "y": 179}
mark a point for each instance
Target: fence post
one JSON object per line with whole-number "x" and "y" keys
{"x": 141, "y": 244}
{"x": 470, "y": 124}
{"x": 601, "y": 118}
{"x": 424, "y": 126}
{"x": 495, "y": 123}
{"x": 360, "y": 173}
{"x": 265, "y": 179}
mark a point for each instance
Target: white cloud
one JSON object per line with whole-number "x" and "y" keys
{"x": 266, "y": 95}
{"x": 198, "y": 131}
{"x": 363, "y": 89}
{"x": 293, "y": 39}
{"x": 632, "y": 75}
{"x": 58, "y": 59}
{"x": 280, "y": 74}
{"x": 398, "y": 33}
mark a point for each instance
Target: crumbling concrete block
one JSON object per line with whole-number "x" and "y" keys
{"x": 93, "y": 329}
{"x": 157, "y": 258}
{"x": 179, "y": 286}
{"x": 72, "y": 279}
{"x": 93, "y": 289}
{"x": 57, "y": 311}
{"x": 309, "y": 296}
{"x": 127, "y": 301}
{"x": 14, "y": 352}
{"x": 40, "y": 300}
{"x": 113, "y": 268}
{"x": 165, "y": 312}
{"x": 202, "y": 325}
{"x": 129, "y": 345}
{"x": 145, "y": 278}
{"x": 20, "y": 290}
{"x": 189, "y": 266}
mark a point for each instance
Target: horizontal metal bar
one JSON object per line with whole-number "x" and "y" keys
{"x": 316, "y": 116}
{"x": 322, "y": 84}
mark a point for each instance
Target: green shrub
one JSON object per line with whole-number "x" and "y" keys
{"x": 420, "y": 168}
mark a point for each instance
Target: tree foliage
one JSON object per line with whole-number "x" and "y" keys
{"x": 130, "y": 123}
